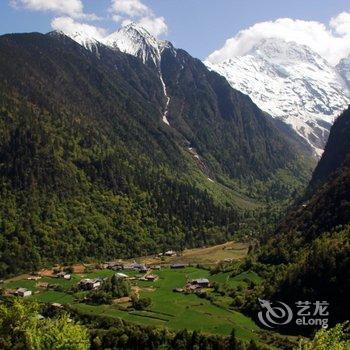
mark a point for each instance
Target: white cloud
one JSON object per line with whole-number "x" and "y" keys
{"x": 341, "y": 23}
{"x": 155, "y": 25}
{"x": 331, "y": 41}
{"x": 122, "y": 11}
{"x": 117, "y": 18}
{"x": 127, "y": 11}
{"x": 70, "y": 27}
{"x": 131, "y": 8}
{"x": 73, "y": 8}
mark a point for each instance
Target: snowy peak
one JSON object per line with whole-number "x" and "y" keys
{"x": 292, "y": 83}
{"x": 132, "y": 39}
{"x": 84, "y": 38}
{"x": 279, "y": 51}
{"x": 137, "y": 41}
{"x": 343, "y": 69}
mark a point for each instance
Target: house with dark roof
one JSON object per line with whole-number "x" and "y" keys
{"x": 177, "y": 266}
{"x": 201, "y": 282}
{"x": 151, "y": 278}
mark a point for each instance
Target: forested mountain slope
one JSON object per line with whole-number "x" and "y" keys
{"x": 224, "y": 126}
{"x": 327, "y": 200}
{"x": 89, "y": 170}
{"x": 312, "y": 244}
{"x": 336, "y": 152}
{"x": 230, "y": 138}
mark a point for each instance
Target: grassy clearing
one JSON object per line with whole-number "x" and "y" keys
{"x": 239, "y": 280}
{"x": 204, "y": 256}
{"x": 168, "y": 309}
{"x": 210, "y": 255}
{"x": 31, "y": 285}
{"x": 54, "y": 297}
{"x": 178, "y": 311}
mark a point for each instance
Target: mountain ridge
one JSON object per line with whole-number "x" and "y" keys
{"x": 87, "y": 164}
{"x": 310, "y": 93}
{"x": 141, "y": 44}
{"x": 291, "y": 83}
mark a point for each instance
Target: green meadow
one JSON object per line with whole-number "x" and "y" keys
{"x": 168, "y": 309}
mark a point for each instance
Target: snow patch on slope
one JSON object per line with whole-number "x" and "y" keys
{"x": 166, "y": 111}
{"x": 84, "y": 38}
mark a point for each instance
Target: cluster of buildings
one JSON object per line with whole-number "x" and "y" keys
{"x": 63, "y": 274}
{"x": 144, "y": 271}
{"x": 134, "y": 266}
{"x": 194, "y": 286}
{"x": 90, "y": 284}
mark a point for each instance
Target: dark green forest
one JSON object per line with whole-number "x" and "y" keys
{"x": 308, "y": 256}
{"x": 88, "y": 170}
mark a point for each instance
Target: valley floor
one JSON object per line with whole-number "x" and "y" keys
{"x": 208, "y": 310}
{"x": 173, "y": 310}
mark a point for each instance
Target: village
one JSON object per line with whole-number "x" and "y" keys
{"x": 140, "y": 272}
{"x": 169, "y": 289}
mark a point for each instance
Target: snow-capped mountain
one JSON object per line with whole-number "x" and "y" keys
{"x": 343, "y": 69}
{"x": 84, "y": 38}
{"x": 137, "y": 41}
{"x": 290, "y": 82}
{"x": 134, "y": 40}
{"x": 287, "y": 80}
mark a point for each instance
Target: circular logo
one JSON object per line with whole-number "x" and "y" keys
{"x": 272, "y": 316}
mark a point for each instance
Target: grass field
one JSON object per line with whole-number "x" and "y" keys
{"x": 204, "y": 256}
{"x": 169, "y": 309}
{"x": 178, "y": 311}
{"x": 239, "y": 280}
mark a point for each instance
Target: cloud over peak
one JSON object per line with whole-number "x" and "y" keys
{"x": 69, "y": 26}
{"x": 70, "y": 15}
{"x": 127, "y": 11}
{"x": 331, "y": 41}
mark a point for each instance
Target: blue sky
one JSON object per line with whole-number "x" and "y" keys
{"x": 199, "y": 26}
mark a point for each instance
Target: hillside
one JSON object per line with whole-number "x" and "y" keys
{"x": 326, "y": 203}
{"x": 231, "y": 140}
{"x": 227, "y": 130}
{"x": 89, "y": 169}
{"x": 336, "y": 151}
{"x": 309, "y": 254}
